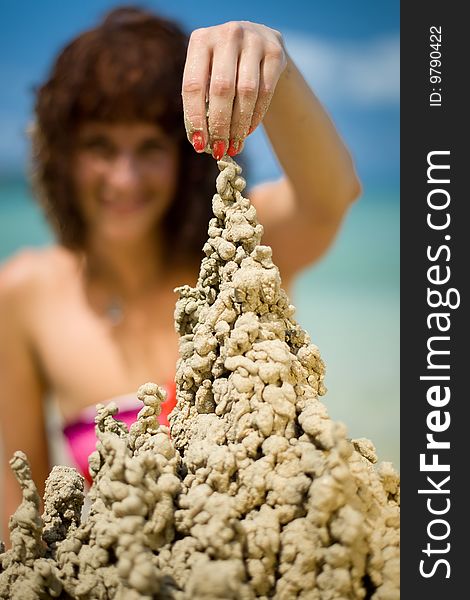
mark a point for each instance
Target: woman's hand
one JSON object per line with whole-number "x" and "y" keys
{"x": 229, "y": 79}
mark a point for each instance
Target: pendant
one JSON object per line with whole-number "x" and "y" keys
{"x": 115, "y": 311}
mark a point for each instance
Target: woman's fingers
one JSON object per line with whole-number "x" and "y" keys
{"x": 245, "y": 98}
{"x": 271, "y": 68}
{"x": 223, "y": 78}
{"x": 194, "y": 90}
{"x": 229, "y": 79}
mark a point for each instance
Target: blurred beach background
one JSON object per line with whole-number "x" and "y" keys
{"x": 349, "y": 53}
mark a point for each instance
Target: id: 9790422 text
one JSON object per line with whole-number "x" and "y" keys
{"x": 435, "y": 65}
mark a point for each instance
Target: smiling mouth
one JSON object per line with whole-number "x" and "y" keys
{"x": 124, "y": 207}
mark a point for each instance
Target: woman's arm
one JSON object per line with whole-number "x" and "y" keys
{"x": 21, "y": 390}
{"x": 238, "y": 75}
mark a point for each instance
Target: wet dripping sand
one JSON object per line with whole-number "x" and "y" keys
{"x": 256, "y": 494}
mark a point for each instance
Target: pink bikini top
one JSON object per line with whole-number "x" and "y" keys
{"x": 80, "y": 434}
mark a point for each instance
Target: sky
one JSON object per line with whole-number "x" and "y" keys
{"x": 347, "y": 51}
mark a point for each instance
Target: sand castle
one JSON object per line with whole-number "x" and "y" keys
{"x": 254, "y": 493}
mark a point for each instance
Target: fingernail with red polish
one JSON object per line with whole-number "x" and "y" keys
{"x": 233, "y": 148}
{"x": 198, "y": 141}
{"x": 218, "y": 149}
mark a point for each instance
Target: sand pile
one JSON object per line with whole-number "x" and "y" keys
{"x": 257, "y": 494}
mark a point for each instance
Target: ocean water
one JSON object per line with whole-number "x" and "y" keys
{"x": 348, "y": 302}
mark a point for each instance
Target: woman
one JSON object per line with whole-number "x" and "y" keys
{"x": 91, "y": 318}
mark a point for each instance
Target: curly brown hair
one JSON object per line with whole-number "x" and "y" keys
{"x": 130, "y": 66}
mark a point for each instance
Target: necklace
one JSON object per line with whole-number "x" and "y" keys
{"x": 113, "y": 307}
{"x": 115, "y": 310}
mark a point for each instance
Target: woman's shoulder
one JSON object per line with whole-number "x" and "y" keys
{"x": 29, "y": 269}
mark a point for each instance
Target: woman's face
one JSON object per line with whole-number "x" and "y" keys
{"x": 125, "y": 176}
